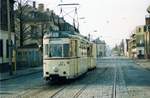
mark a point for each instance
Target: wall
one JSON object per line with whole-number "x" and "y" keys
{"x": 28, "y": 57}
{"x": 4, "y": 59}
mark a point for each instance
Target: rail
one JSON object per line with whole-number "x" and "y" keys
{"x": 114, "y": 83}
{"x": 77, "y": 94}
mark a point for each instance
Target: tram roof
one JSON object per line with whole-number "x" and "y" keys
{"x": 64, "y": 34}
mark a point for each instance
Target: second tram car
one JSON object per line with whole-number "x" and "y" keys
{"x": 67, "y": 55}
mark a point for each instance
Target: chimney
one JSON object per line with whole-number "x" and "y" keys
{"x": 41, "y": 7}
{"x": 47, "y": 10}
{"x": 34, "y": 4}
{"x": 147, "y": 19}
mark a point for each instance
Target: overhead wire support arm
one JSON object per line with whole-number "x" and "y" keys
{"x": 68, "y": 4}
{"x": 71, "y": 6}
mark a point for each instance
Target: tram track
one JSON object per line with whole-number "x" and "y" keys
{"x": 114, "y": 83}
{"x": 57, "y": 92}
{"x": 119, "y": 88}
{"x": 105, "y": 81}
{"x": 80, "y": 91}
{"x": 51, "y": 91}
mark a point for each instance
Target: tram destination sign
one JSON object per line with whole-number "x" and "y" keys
{"x": 60, "y": 34}
{"x": 54, "y": 34}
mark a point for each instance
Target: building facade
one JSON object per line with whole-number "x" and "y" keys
{"x": 147, "y": 36}
{"x": 136, "y": 43}
{"x": 140, "y": 43}
{"x": 38, "y": 22}
{"x": 132, "y": 46}
{"x": 100, "y": 47}
{"x": 28, "y": 56}
{"x": 4, "y": 45}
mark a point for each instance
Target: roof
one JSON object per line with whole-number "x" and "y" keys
{"x": 98, "y": 41}
{"x": 62, "y": 34}
{"x": 65, "y": 34}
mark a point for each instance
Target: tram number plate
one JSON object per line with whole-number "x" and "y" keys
{"x": 61, "y": 64}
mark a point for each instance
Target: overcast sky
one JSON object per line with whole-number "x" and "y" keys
{"x": 112, "y": 19}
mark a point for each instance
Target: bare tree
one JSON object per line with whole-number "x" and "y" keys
{"x": 21, "y": 7}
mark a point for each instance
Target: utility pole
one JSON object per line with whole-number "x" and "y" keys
{"x": 9, "y": 38}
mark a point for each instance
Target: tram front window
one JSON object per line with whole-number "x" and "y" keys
{"x": 59, "y": 50}
{"x": 55, "y": 50}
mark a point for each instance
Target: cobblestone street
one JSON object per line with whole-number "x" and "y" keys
{"x": 113, "y": 78}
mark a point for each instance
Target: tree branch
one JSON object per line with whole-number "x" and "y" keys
{"x": 25, "y": 29}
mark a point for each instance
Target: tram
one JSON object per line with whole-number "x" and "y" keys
{"x": 67, "y": 54}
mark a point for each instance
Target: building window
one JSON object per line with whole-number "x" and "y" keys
{"x": 139, "y": 29}
{"x": 19, "y": 53}
{"x": 149, "y": 28}
{"x": 1, "y": 48}
{"x": 7, "y": 48}
{"x": 145, "y": 28}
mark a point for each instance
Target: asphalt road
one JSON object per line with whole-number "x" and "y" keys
{"x": 114, "y": 77}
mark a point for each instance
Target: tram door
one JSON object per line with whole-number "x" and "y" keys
{"x": 73, "y": 53}
{"x": 89, "y": 52}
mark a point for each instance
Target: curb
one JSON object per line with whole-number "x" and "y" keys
{"x": 21, "y": 75}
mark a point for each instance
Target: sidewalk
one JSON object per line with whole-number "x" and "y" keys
{"x": 19, "y": 73}
{"x": 144, "y": 63}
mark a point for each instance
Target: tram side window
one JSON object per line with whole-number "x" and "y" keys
{"x": 65, "y": 50}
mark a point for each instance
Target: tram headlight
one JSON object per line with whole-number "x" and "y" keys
{"x": 64, "y": 72}
{"x": 47, "y": 73}
{"x": 55, "y": 69}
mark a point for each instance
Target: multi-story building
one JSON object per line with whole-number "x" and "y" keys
{"x": 140, "y": 44}
{"x": 136, "y": 43}
{"x": 37, "y": 22}
{"x": 132, "y": 46}
{"x": 147, "y": 36}
{"x": 100, "y": 47}
{"x": 4, "y": 43}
